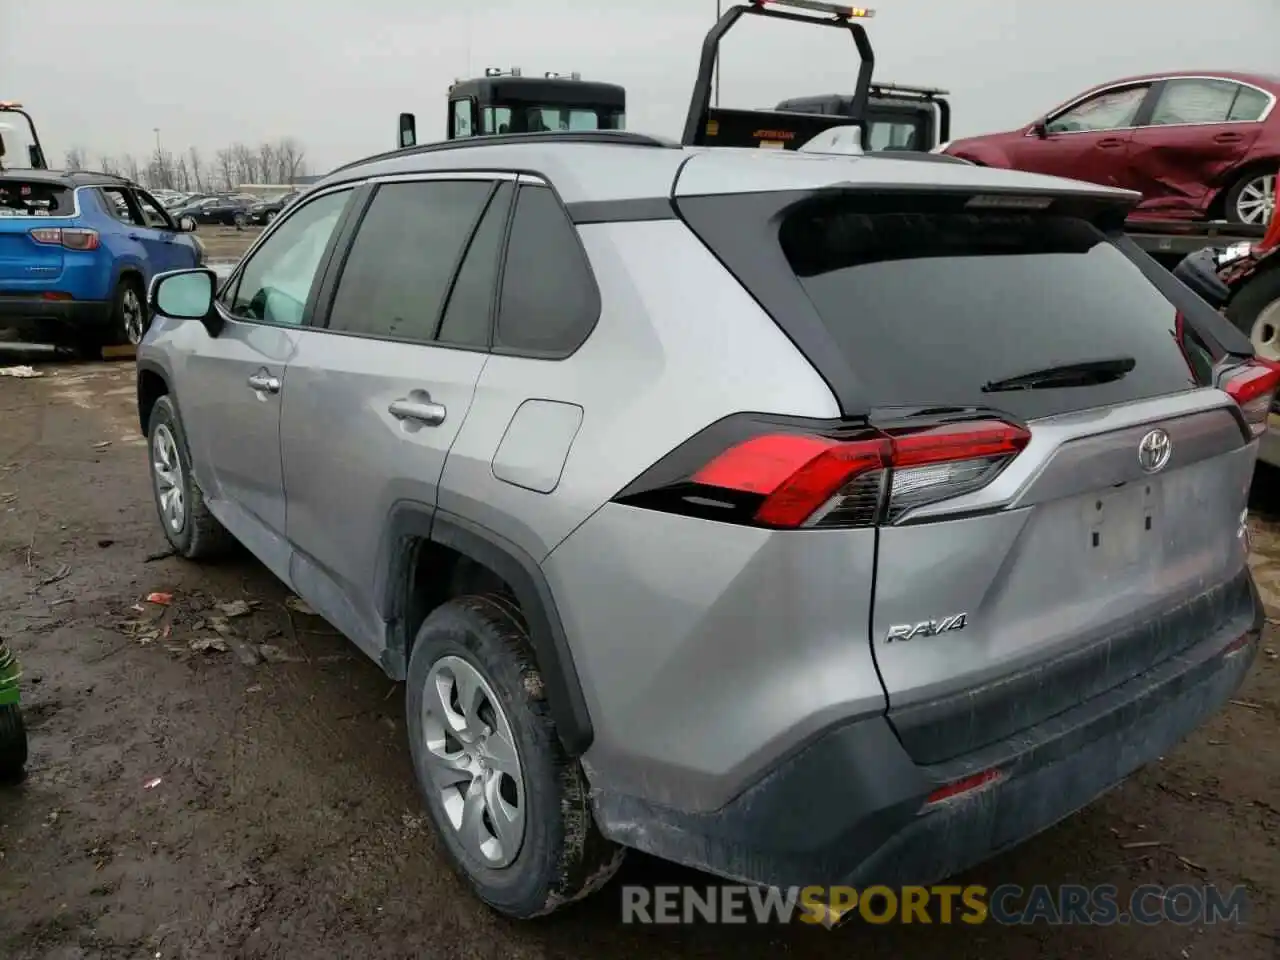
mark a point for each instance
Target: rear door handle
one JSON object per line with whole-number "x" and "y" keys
{"x": 1110, "y": 142}
{"x": 425, "y": 412}
{"x": 265, "y": 383}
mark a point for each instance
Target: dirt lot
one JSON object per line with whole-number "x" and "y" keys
{"x": 222, "y": 805}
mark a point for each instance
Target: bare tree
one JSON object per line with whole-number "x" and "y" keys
{"x": 245, "y": 163}
{"x": 226, "y": 167}
{"x": 290, "y": 160}
{"x": 160, "y": 171}
{"x": 266, "y": 163}
{"x": 181, "y": 175}
{"x": 107, "y": 164}
{"x": 197, "y": 169}
{"x": 129, "y": 165}
{"x": 74, "y": 159}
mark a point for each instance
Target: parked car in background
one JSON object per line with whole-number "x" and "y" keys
{"x": 225, "y": 209}
{"x": 264, "y": 211}
{"x": 77, "y": 254}
{"x": 1195, "y": 145}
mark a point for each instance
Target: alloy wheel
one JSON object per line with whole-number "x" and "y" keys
{"x": 1257, "y": 201}
{"x": 473, "y": 762}
{"x": 170, "y": 489}
{"x": 131, "y": 313}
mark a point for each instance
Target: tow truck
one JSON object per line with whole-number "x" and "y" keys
{"x": 35, "y": 152}
{"x": 889, "y": 117}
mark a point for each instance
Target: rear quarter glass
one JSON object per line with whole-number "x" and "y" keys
{"x": 35, "y": 198}
{"x": 926, "y": 302}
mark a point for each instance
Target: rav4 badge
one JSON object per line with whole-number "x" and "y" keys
{"x": 927, "y": 628}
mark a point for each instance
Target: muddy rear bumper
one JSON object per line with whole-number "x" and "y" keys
{"x": 853, "y": 808}
{"x": 40, "y": 320}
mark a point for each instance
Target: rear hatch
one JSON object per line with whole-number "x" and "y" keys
{"x": 27, "y": 263}
{"x": 1060, "y": 501}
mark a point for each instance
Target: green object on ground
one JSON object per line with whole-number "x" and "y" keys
{"x": 9, "y": 674}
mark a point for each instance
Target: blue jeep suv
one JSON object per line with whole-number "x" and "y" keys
{"x": 77, "y": 254}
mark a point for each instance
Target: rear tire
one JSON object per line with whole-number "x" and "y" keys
{"x": 553, "y": 854}
{"x": 1252, "y": 199}
{"x": 129, "y": 321}
{"x": 192, "y": 531}
{"x": 13, "y": 743}
{"x": 1255, "y": 312}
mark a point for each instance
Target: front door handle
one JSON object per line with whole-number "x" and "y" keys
{"x": 426, "y": 412}
{"x": 265, "y": 383}
{"x": 1228, "y": 138}
{"x": 1111, "y": 142}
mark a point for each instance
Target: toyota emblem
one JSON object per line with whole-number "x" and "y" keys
{"x": 1154, "y": 451}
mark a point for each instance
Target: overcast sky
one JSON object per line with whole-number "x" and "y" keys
{"x": 335, "y": 73}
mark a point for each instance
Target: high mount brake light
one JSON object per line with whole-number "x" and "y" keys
{"x": 1253, "y": 387}
{"x": 835, "y": 9}
{"x": 781, "y": 478}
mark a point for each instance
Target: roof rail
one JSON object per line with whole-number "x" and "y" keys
{"x": 619, "y": 138}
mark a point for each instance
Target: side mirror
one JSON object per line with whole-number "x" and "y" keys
{"x": 187, "y": 295}
{"x": 408, "y": 130}
{"x": 1040, "y": 129}
{"x": 187, "y": 224}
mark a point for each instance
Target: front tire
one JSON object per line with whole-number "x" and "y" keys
{"x": 512, "y": 810}
{"x": 1252, "y": 199}
{"x": 192, "y": 531}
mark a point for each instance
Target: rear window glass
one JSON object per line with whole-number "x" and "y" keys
{"x": 33, "y": 198}
{"x": 928, "y": 308}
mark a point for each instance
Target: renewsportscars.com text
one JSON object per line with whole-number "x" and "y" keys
{"x": 1008, "y": 904}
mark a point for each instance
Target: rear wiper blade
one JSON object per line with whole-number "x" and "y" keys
{"x": 1086, "y": 373}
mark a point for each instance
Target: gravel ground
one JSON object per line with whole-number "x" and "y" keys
{"x": 258, "y": 801}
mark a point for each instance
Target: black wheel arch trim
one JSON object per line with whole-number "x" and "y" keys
{"x": 409, "y": 520}
{"x": 151, "y": 366}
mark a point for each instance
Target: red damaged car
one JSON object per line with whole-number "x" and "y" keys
{"x": 1195, "y": 145}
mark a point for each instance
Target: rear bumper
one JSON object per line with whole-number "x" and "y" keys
{"x": 852, "y": 807}
{"x": 38, "y": 319}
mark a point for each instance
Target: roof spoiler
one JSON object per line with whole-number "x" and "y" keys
{"x": 708, "y": 126}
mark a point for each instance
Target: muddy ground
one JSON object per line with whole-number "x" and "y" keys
{"x": 258, "y": 801}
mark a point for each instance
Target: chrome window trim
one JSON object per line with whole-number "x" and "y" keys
{"x": 1150, "y": 82}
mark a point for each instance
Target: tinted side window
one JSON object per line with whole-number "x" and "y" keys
{"x": 1194, "y": 101}
{"x": 276, "y": 280}
{"x": 549, "y": 301}
{"x": 1249, "y": 105}
{"x": 404, "y": 256}
{"x": 469, "y": 315}
{"x": 1106, "y": 111}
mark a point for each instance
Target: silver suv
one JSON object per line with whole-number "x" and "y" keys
{"x": 803, "y": 519}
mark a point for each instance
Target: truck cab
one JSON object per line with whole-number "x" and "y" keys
{"x": 898, "y": 117}
{"x": 506, "y": 101}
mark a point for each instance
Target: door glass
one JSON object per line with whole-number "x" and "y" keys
{"x": 890, "y": 135}
{"x": 469, "y": 314}
{"x": 462, "y": 118}
{"x": 153, "y": 212}
{"x": 1106, "y": 111}
{"x": 497, "y": 120}
{"x": 117, "y": 203}
{"x": 1249, "y": 105}
{"x": 1194, "y": 101}
{"x": 276, "y": 281}
{"x": 403, "y": 259}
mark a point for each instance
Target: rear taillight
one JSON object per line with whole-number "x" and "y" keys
{"x": 73, "y": 238}
{"x": 749, "y": 470}
{"x": 1253, "y": 387}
